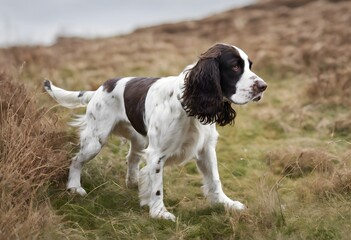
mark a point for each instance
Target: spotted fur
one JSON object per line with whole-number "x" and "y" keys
{"x": 168, "y": 120}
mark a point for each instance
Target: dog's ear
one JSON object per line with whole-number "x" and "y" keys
{"x": 203, "y": 97}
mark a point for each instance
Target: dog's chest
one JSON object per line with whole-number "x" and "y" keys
{"x": 187, "y": 146}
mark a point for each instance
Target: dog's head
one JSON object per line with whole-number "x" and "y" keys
{"x": 221, "y": 76}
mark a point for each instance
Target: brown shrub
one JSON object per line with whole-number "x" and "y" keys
{"x": 30, "y": 159}
{"x": 337, "y": 183}
{"x": 342, "y": 125}
{"x": 331, "y": 87}
{"x": 347, "y": 157}
{"x": 341, "y": 181}
{"x": 297, "y": 162}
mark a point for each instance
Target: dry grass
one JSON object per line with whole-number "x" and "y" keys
{"x": 301, "y": 191}
{"x": 335, "y": 186}
{"x": 298, "y": 162}
{"x": 288, "y": 37}
{"x": 337, "y": 183}
{"x": 32, "y": 156}
{"x": 331, "y": 86}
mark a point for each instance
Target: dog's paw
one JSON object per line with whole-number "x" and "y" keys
{"x": 77, "y": 190}
{"x": 162, "y": 214}
{"x": 235, "y": 205}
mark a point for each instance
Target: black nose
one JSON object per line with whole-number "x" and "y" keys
{"x": 261, "y": 86}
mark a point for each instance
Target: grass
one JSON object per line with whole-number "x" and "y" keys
{"x": 287, "y": 157}
{"x": 294, "y": 179}
{"x": 33, "y": 156}
{"x": 276, "y": 173}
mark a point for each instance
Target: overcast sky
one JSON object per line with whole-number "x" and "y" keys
{"x": 41, "y": 21}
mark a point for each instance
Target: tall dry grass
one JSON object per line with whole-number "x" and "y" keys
{"x": 332, "y": 174}
{"x": 301, "y": 48}
{"x": 338, "y": 183}
{"x": 32, "y": 156}
{"x": 298, "y": 162}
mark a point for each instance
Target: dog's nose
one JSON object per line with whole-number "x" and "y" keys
{"x": 261, "y": 86}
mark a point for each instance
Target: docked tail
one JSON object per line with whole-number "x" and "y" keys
{"x": 69, "y": 99}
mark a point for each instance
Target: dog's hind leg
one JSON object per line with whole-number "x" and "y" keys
{"x": 90, "y": 146}
{"x": 91, "y": 142}
{"x": 137, "y": 145}
{"x": 95, "y": 126}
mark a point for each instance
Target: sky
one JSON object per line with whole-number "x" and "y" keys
{"x": 41, "y": 21}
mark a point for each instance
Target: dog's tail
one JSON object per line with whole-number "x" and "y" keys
{"x": 69, "y": 99}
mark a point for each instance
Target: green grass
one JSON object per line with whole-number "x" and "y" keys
{"x": 310, "y": 204}
{"x": 279, "y": 206}
{"x": 287, "y": 157}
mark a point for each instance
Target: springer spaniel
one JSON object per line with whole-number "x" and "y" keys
{"x": 168, "y": 120}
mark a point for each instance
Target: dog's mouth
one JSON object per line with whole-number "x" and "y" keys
{"x": 257, "y": 89}
{"x": 257, "y": 97}
{"x": 243, "y": 99}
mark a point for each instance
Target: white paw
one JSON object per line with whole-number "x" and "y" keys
{"x": 77, "y": 190}
{"x": 235, "y": 205}
{"x": 162, "y": 214}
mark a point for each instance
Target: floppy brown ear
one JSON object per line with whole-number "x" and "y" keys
{"x": 203, "y": 97}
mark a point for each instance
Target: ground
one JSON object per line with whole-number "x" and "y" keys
{"x": 287, "y": 157}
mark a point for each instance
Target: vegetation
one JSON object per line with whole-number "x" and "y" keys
{"x": 287, "y": 157}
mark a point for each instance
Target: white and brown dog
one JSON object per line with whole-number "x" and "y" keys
{"x": 167, "y": 120}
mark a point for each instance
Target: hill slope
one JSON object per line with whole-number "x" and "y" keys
{"x": 291, "y": 34}
{"x": 287, "y": 157}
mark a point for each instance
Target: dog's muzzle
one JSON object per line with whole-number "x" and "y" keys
{"x": 258, "y": 88}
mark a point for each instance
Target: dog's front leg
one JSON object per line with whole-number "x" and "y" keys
{"x": 207, "y": 164}
{"x": 151, "y": 187}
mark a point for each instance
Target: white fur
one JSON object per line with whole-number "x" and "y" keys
{"x": 69, "y": 99}
{"x": 172, "y": 136}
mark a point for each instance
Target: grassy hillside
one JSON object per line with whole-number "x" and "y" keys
{"x": 287, "y": 157}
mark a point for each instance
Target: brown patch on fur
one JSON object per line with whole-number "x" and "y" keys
{"x": 110, "y": 84}
{"x": 134, "y": 100}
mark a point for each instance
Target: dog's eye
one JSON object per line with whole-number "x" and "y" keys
{"x": 236, "y": 68}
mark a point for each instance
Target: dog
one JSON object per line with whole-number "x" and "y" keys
{"x": 168, "y": 120}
